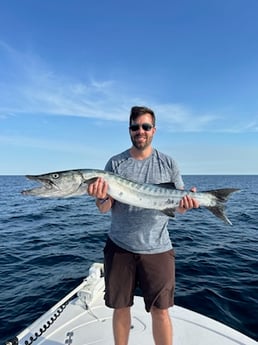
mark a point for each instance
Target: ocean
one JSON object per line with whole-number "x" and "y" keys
{"x": 48, "y": 245}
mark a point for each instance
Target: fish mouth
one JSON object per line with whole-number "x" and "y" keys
{"x": 46, "y": 185}
{"x": 46, "y": 182}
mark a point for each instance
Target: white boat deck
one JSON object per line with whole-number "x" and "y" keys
{"x": 86, "y": 321}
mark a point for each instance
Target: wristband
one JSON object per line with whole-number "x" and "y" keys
{"x": 102, "y": 201}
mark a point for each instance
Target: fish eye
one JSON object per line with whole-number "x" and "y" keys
{"x": 55, "y": 176}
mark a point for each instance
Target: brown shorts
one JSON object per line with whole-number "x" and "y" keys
{"x": 154, "y": 274}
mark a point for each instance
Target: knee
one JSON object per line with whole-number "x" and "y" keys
{"x": 157, "y": 313}
{"x": 122, "y": 312}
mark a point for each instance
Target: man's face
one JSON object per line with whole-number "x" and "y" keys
{"x": 141, "y": 135}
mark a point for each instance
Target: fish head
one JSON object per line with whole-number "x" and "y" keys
{"x": 57, "y": 184}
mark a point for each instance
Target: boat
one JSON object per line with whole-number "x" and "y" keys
{"x": 81, "y": 318}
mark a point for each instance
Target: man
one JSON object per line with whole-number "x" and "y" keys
{"x": 138, "y": 252}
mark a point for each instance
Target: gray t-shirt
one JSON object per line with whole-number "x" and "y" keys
{"x": 136, "y": 229}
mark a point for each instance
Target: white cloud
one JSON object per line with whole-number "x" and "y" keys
{"x": 28, "y": 86}
{"x": 177, "y": 117}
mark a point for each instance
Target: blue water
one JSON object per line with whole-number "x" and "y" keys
{"x": 48, "y": 245}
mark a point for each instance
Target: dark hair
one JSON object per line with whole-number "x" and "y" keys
{"x": 138, "y": 111}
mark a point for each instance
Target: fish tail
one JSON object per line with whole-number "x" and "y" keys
{"x": 222, "y": 196}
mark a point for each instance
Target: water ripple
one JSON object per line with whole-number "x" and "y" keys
{"x": 48, "y": 245}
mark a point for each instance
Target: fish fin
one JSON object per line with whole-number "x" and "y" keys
{"x": 218, "y": 211}
{"x": 168, "y": 185}
{"x": 91, "y": 180}
{"x": 170, "y": 212}
{"x": 222, "y": 196}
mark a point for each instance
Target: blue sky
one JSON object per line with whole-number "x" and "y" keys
{"x": 70, "y": 70}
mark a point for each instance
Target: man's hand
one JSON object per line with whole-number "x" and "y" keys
{"x": 187, "y": 202}
{"x": 98, "y": 189}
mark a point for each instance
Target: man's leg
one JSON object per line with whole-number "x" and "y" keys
{"x": 121, "y": 325}
{"x": 161, "y": 326}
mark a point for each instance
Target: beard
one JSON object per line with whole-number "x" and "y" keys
{"x": 141, "y": 142}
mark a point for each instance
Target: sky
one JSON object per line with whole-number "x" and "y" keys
{"x": 70, "y": 70}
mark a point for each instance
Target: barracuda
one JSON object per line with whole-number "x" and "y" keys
{"x": 164, "y": 197}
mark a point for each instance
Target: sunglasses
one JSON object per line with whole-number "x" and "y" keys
{"x": 145, "y": 126}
